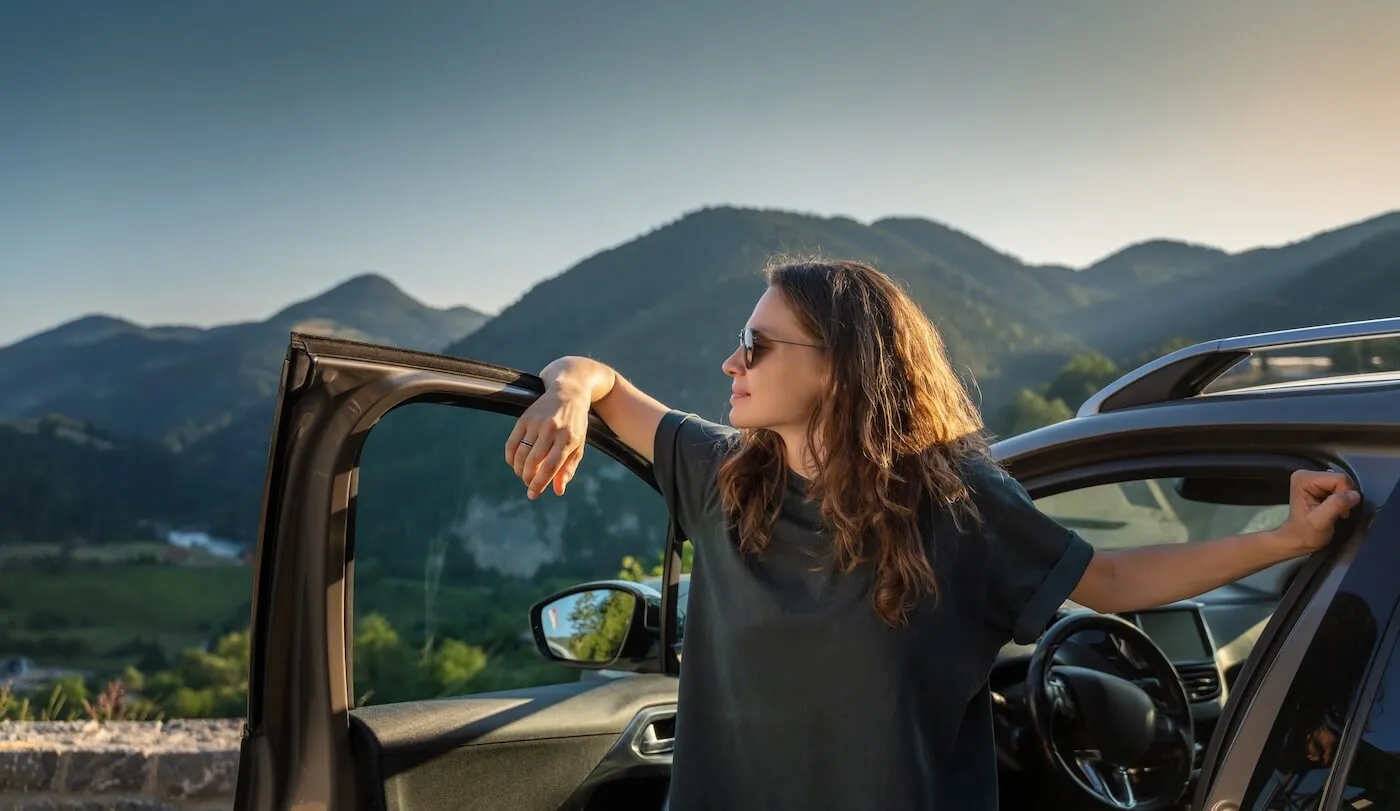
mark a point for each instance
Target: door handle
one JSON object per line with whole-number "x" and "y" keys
{"x": 652, "y": 734}
{"x": 652, "y": 742}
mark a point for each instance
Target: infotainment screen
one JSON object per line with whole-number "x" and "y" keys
{"x": 1177, "y": 633}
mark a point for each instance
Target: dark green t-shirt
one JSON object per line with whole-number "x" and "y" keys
{"x": 795, "y": 695}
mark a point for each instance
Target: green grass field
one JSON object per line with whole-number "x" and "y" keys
{"x": 102, "y": 615}
{"x": 142, "y": 599}
{"x": 90, "y": 617}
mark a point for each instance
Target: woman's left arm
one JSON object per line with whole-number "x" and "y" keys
{"x": 1132, "y": 579}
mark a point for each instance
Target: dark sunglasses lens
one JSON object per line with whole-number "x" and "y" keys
{"x": 746, "y": 341}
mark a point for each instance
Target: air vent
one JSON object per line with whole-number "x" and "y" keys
{"x": 1202, "y": 682}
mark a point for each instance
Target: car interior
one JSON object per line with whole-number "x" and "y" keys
{"x": 603, "y": 741}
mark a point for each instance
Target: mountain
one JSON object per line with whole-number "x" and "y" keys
{"x": 1356, "y": 285}
{"x": 94, "y": 329}
{"x": 1200, "y": 300}
{"x": 1151, "y": 263}
{"x": 375, "y": 307}
{"x": 178, "y": 384}
{"x": 1032, "y": 291}
{"x": 62, "y": 481}
{"x": 666, "y": 308}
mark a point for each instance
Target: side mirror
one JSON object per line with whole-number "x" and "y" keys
{"x": 610, "y": 624}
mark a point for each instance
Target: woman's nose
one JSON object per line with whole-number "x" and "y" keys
{"x": 734, "y": 364}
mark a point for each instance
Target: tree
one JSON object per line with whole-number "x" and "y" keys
{"x": 454, "y": 664}
{"x": 1028, "y": 411}
{"x": 1165, "y": 349}
{"x": 601, "y": 628}
{"x": 205, "y": 684}
{"x": 383, "y": 667}
{"x": 632, "y": 568}
{"x": 1081, "y": 378}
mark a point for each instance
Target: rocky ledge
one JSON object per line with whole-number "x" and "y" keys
{"x": 125, "y": 765}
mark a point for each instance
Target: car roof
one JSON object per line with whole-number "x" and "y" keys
{"x": 1173, "y": 393}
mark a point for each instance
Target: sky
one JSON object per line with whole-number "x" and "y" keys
{"x": 199, "y": 163}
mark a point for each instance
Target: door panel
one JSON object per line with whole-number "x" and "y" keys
{"x": 581, "y": 745}
{"x": 382, "y": 676}
{"x": 1303, "y": 712}
{"x": 1373, "y": 776}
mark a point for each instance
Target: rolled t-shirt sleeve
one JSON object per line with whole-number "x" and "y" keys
{"x": 1033, "y": 562}
{"x": 686, "y": 460}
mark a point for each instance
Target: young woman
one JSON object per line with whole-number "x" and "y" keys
{"x": 859, "y": 559}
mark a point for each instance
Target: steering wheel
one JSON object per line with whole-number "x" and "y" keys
{"x": 1127, "y": 744}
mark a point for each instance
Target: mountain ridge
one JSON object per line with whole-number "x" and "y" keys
{"x": 1131, "y": 324}
{"x": 175, "y": 384}
{"x": 665, "y": 309}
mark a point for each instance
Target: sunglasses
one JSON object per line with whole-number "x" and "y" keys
{"x": 752, "y": 344}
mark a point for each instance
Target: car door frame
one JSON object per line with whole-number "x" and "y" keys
{"x": 1044, "y": 467}
{"x": 296, "y": 744}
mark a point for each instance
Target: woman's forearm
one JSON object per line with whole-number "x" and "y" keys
{"x": 1131, "y": 579}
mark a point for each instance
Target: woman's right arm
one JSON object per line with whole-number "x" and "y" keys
{"x": 556, "y": 425}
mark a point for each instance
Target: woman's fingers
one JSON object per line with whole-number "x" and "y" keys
{"x": 547, "y": 467}
{"x": 521, "y": 453}
{"x": 546, "y": 444}
{"x": 566, "y": 473}
{"x": 517, "y": 433}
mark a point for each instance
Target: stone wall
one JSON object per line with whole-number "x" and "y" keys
{"x": 131, "y": 766}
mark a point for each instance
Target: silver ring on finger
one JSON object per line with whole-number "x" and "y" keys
{"x": 526, "y": 444}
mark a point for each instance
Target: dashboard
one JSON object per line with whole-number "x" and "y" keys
{"x": 1185, "y": 632}
{"x": 1181, "y": 632}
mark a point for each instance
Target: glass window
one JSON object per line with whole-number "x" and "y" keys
{"x": 1373, "y": 779}
{"x": 1144, "y": 512}
{"x": 1303, "y": 745}
{"x": 450, "y": 554}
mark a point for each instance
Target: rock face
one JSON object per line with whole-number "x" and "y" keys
{"x": 130, "y": 766}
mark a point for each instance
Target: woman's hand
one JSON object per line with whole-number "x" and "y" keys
{"x": 1316, "y": 502}
{"x": 547, "y": 442}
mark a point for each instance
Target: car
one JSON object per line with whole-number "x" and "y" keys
{"x": 1268, "y": 693}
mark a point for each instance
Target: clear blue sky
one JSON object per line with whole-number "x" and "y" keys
{"x": 212, "y": 161}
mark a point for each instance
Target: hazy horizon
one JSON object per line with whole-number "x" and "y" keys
{"x": 178, "y": 164}
{"x": 312, "y": 293}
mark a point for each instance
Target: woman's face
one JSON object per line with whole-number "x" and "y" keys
{"x": 783, "y": 385}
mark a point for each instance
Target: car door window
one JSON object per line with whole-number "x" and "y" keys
{"x": 1373, "y": 777}
{"x": 449, "y": 553}
{"x": 1143, "y": 512}
{"x": 1309, "y": 707}
{"x": 1303, "y": 745}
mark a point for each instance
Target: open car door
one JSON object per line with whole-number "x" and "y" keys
{"x": 399, "y": 571}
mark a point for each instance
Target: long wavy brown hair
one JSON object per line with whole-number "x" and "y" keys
{"x": 890, "y": 435}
